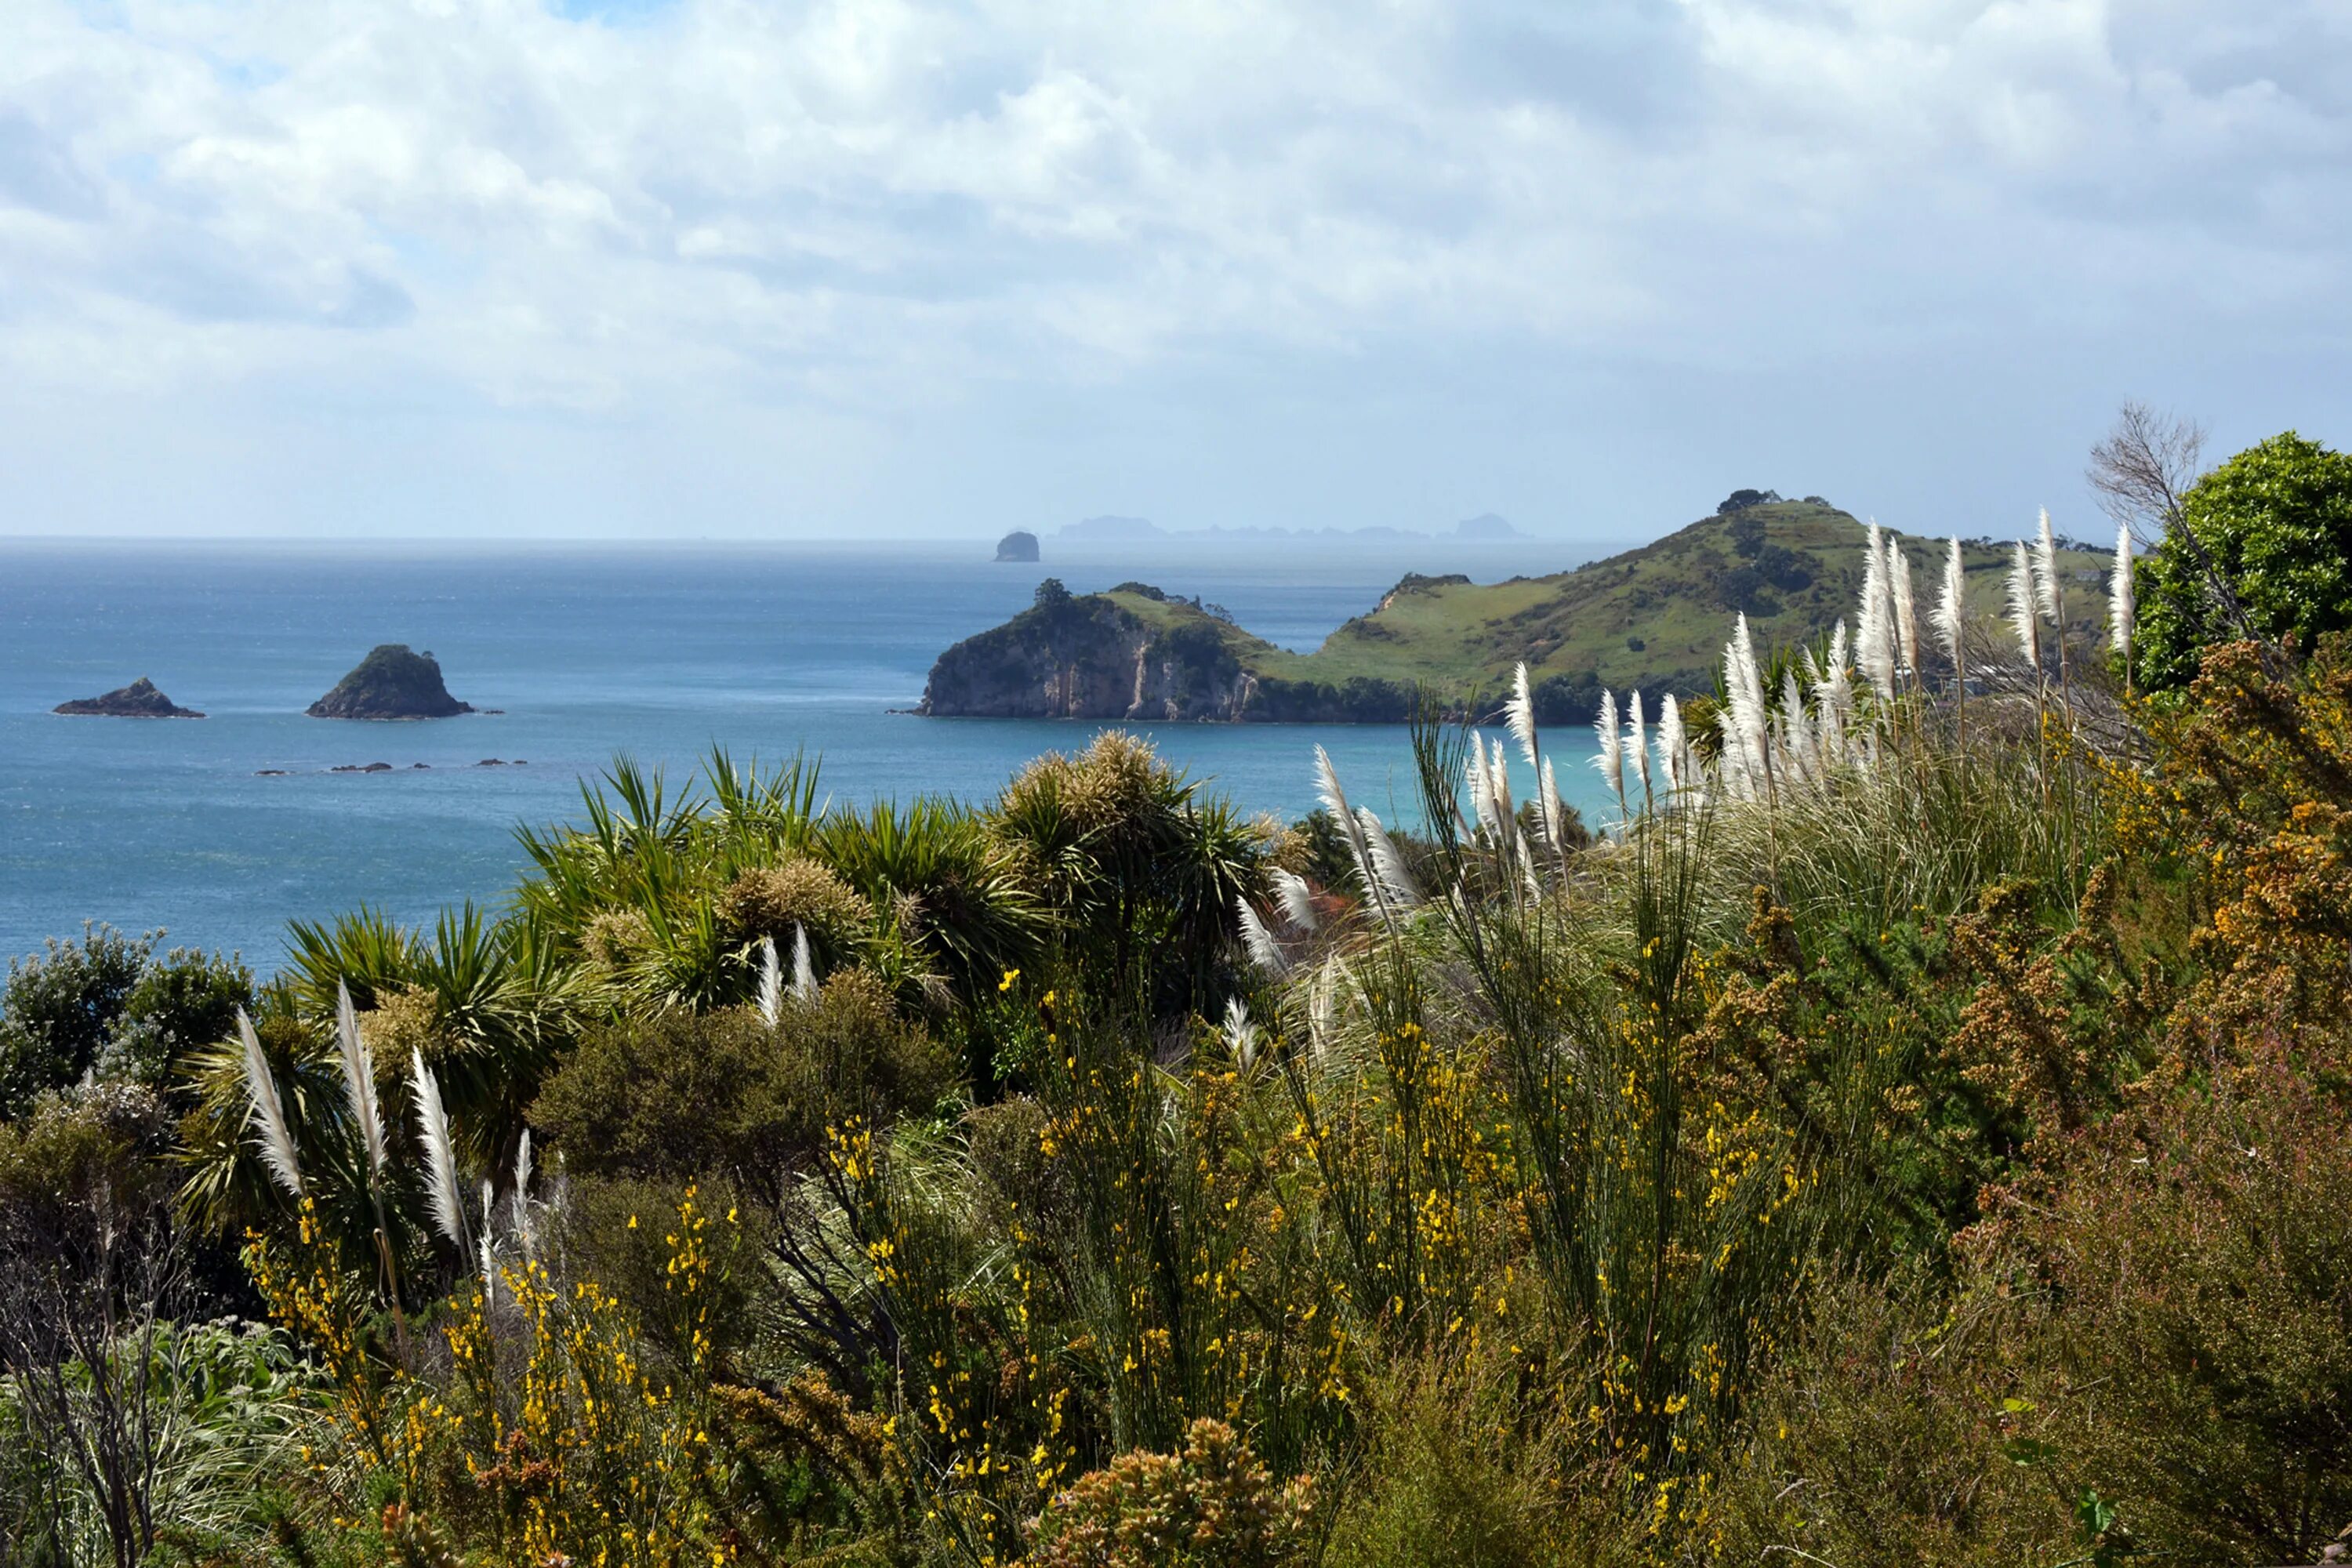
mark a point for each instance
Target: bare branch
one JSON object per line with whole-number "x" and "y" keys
{"x": 2142, "y": 466}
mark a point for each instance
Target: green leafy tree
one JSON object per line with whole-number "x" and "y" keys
{"x": 2263, "y": 547}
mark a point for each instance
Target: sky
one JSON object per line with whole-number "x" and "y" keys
{"x": 352, "y": 269}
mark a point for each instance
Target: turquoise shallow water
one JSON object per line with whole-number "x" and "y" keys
{"x": 590, "y": 650}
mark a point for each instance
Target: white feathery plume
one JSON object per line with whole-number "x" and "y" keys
{"x": 1335, "y": 801}
{"x": 2119, "y": 593}
{"x": 1637, "y": 741}
{"x": 488, "y": 1249}
{"x": 1506, "y": 814}
{"x": 1873, "y": 633}
{"x": 1482, "y": 788}
{"x": 1319, "y": 1007}
{"x": 522, "y": 1194}
{"x": 1952, "y": 605}
{"x": 1743, "y": 721}
{"x": 359, "y": 1080}
{"x": 1520, "y": 712}
{"x": 1548, "y": 805}
{"x": 1834, "y": 698}
{"x": 1906, "y": 613}
{"x": 1327, "y": 784}
{"x": 804, "y": 967}
{"x": 1240, "y": 1035}
{"x": 772, "y": 983}
{"x": 1388, "y": 867}
{"x": 1264, "y": 950}
{"x": 1796, "y": 731}
{"x": 1297, "y": 901}
{"x": 448, "y": 1205}
{"x": 2045, "y": 575}
{"x": 1813, "y": 667}
{"x": 276, "y": 1141}
{"x": 2023, "y": 618}
{"x": 1611, "y": 760}
{"x": 1670, "y": 741}
{"x": 1499, "y": 776}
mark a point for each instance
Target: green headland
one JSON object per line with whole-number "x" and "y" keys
{"x": 1651, "y": 619}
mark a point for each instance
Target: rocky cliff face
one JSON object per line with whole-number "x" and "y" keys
{"x": 1092, "y": 657}
{"x": 391, "y": 682}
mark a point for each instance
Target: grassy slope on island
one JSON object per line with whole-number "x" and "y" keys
{"x": 1653, "y": 618}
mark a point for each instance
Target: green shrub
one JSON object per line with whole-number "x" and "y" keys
{"x": 1459, "y": 1472}
{"x": 1879, "y": 1438}
{"x": 107, "y": 1004}
{"x": 60, "y": 1009}
{"x": 76, "y": 1161}
{"x": 2198, "y": 1268}
{"x": 2274, "y": 524}
{"x": 681, "y": 1095}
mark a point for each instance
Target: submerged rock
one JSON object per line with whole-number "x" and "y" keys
{"x": 139, "y": 700}
{"x": 391, "y": 682}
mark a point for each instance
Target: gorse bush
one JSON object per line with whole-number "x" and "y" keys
{"x": 1916, "y": 1129}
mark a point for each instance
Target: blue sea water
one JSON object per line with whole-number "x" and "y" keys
{"x": 591, "y": 651}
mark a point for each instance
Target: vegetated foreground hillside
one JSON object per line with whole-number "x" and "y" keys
{"x": 1650, "y": 619}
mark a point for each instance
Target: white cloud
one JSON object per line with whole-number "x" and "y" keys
{"x": 869, "y": 205}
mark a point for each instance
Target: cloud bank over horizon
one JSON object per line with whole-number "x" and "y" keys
{"x": 350, "y": 267}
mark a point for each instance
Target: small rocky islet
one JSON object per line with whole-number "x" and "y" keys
{"x": 139, "y": 700}
{"x": 391, "y": 683}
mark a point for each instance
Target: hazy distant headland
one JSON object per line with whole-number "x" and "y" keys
{"x": 1115, "y": 529}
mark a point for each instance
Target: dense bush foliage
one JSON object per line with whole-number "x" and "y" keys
{"x": 109, "y": 1003}
{"x": 2264, "y": 552}
{"x": 1911, "y": 1133}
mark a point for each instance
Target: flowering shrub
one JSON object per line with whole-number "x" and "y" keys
{"x": 1211, "y": 1505}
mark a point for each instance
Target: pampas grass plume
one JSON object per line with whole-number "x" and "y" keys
{"x": 448, "y": 1205}
{"x": 1264, "y": 950}
{"x": 1611, "y": 760}
{"x": 2119, "y": 593}
{"x": 1952, "y": 605}
{"x": 276, "y": 1140}
{"x": 1907, "y": 613}
{"x": 1670, "y": 741}
{"x": 2045, "y": 573}
{"x": 2023, "y": 620}
{"x": 772, "y": 983}
{"x": 804, "y": 967}
{"x": 1297, "y": 901}
{"x": 1520, "y": 712}
{"x": 359, "y": 1080}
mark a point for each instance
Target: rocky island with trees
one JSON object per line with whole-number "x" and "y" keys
{"x": 391, "y": 683}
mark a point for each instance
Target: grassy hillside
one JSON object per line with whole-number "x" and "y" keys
{"x": 1652, "y": 617}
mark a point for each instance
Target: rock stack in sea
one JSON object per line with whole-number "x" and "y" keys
{"x": 391, "y": 682}
{"x": 139, "y": 700}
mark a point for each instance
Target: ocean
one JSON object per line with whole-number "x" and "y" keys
{"x": 592, "y": 651}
